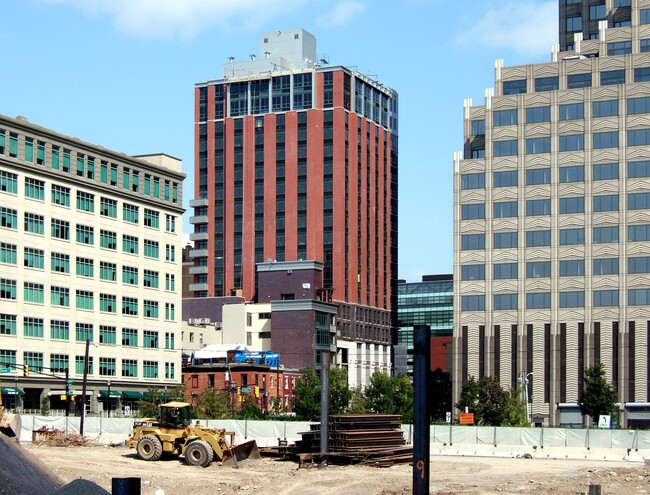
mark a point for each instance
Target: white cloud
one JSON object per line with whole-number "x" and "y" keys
{"x": 342, "y": 14}
{"x": 525, "y": 27}
{"x": 182, "y": 18}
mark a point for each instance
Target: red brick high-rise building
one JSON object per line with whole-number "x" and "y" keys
{"x": 296, "y": 159}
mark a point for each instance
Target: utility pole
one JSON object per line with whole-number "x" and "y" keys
{"x": 324, "y": 402}
{"x": 67, "y": 392}
{"x": 83, "y": 390}
{"x": 232, "y": 385}
{"x": 277, "y": 385}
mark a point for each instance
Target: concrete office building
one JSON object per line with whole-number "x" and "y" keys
{"x": 90, "y": 248}
{"x": 296, "y": 160}
{"x": 584, "y": 16}
{"x": 552, "y": 223}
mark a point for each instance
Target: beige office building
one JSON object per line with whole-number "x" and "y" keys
{"x": 90, "y": 249}
{"x": 552, "y": 223}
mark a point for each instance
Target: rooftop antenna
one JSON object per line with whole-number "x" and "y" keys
{"x": 231, "y": 59}
{"x": 267, "y": 54}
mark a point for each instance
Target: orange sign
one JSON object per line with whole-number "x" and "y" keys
{"x": 466, "y": 418}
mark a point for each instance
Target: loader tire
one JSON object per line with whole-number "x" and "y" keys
{"x": 199, "y": 453}
{"x": 149, "y": 448}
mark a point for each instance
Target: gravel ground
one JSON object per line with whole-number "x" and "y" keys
{"x": 449, "y": 475}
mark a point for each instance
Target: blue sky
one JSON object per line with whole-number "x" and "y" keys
{"x": 121, "y": 73}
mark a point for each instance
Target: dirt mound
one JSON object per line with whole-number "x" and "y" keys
{"x": 81, "y": 487}
{"x": 22, "y": 472}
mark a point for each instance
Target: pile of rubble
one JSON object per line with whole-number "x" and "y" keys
{"x": 369, "y": 439}
{"x": 53, "y": 437}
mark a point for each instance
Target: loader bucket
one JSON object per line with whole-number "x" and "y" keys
{"x": 10, "y": 425}
{"x": 246, "y": 451}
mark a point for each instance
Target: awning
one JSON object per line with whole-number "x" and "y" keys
{"x": 114, "y": 394}
{"x": 128, "y": 394}
{"x": 12, "y": 391}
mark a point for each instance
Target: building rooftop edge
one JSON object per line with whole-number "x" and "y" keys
{"x": 21, "y": 121}
{"x": 276, "y": 266}
{"x": 320, "y": 68}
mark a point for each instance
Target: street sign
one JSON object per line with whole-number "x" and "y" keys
{"x": 5, "y": 370}
{"x": 70, "y": 382}
{"x": 448, "y": 418}
{"x": 246, "y": 389}
{"x": 604, "y": 421}
{"x": 466, "y": 418}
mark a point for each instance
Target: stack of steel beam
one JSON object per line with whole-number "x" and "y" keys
{"x": 373, "y": 439}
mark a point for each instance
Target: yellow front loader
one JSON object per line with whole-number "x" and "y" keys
{"x": 172, "y": 433}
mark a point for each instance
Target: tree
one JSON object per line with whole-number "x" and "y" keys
{"x": 250, "y": 409}
{"x": 492, "y": 400}
{"x": 340, "y": 394}
{"x": 390, "y": 395}
{"x": 276, "y": 404}
{"x": 148, "y": 407}
{"x": 403, "y": 397}
{"x": 439, "y": 394}
{"x": 515, "y": 412}
{"x": 307, "y": 396}
{"x": 177, "y": 393}
{"x": 45, "y": 406}
{"x": 307, "y": 392}
{"x": 468, "y": 400}
{"x": 358, "y": 403}
{"x": 486, "y": 399}
{"x": 596, "y": 399}
{"x": 213, "y": 404}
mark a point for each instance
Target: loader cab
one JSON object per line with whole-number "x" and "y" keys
{"x": 175, "y": 415}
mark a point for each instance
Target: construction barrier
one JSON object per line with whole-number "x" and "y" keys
{"x": 267, "y": 433}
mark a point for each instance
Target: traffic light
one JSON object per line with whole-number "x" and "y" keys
{"x": 26, "y": 370}
{"x": 238, "y": 390}
{"x": 257, "y": 391}
{"x": 241, "y": 398}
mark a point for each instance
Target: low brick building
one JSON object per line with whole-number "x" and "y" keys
{"x": 259, "y": 383}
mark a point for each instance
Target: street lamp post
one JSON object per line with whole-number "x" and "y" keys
{"x": 528, "y": 408}
{"x": 524, "y": 383}
{"x": 108, "y": 402}
{"x": 611, "y": 407}
{"x": 233, "y": 388}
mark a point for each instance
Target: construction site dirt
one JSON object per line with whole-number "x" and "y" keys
{"x": 449, "y": 475}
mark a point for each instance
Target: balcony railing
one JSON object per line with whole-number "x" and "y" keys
{"x": 198, "y": 287}
{"x": 198, "y": 203}
{"x": 199, "y": 236}
{"x": 199, "y": 219}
